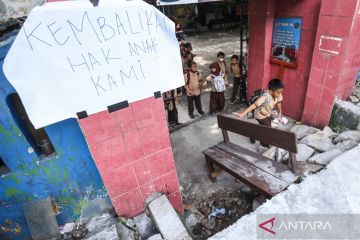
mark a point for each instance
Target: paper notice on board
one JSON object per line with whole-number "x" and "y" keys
{"x": 70, "y": 57}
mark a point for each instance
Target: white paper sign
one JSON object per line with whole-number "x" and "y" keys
{"x": 70, "y": 57}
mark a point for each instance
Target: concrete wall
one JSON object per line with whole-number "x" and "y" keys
{"x": 70, "y": 179}
{"x": 16, "y": 8}
{"x": 132, "y": 151}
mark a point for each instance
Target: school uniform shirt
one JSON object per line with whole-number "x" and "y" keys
{"x": 193, "y": 84}
{"x": 223, "y": 69}
{"x": 235, "y": 69}
{"x": 265, "y": 105}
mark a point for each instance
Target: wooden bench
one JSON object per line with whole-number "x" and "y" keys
{"x": 266, "y": 175}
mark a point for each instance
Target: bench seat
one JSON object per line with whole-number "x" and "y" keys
{"x": 262, "y": 173}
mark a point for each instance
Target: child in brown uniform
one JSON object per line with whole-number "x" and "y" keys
{"x": 217, "y": 97}
{"x": 238, "y": 80}
{"x": 221, "y": 61}
{"x": 265, "y": 104}
{"x": 193, "y": 86}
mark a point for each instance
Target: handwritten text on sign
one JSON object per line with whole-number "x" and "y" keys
{"x": 76, "y": 57}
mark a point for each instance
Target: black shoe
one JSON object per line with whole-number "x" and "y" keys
{"x": 192, "y": 116}
{"x": 202, "y": 113}
{"x": 252, "y": 141}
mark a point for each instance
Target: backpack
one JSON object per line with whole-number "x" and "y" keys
{"x": 255, "y": 96}
{"x": 219, "y": 82}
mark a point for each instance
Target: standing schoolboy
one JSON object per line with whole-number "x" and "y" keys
{"x": 265, "y": 104}
{"x": 193, "y": 86}
{"x": 236, "y": 71}
{"x": 221, "y": 61}
{"x": 218, "y": 86}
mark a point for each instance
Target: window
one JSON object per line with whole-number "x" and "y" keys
{"x": 37, "y": 138}
{"x": 3, "y": 168}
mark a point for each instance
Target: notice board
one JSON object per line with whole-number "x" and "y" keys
{"x": 286, "y": 41}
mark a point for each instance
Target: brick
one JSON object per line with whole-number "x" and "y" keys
{"x": 129, "y": 204}
{"x": 142, "y": 171}
{"x": 110, "y": 154}
{"x": 133, "y": 145}
{"x": 162, "y": 214}
{"x": 99, "y": 127}
{"x": 167, "y": 184}
{"x": 120, "y": 181}
{"x": 161, "y": 163}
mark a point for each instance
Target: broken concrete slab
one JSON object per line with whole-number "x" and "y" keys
{"x": 155, "y": 237}
{"x": 326, "y": 157}
{"x": 348, "y": 135}
{"x": 145, "y": 226}
{"x": 68, "y": 227}
{"x": 304, "y": 152}
{"x": 41, "y": 220}
{"x": 346, "y": 145}
{"x": 98, "y": 223}
{"x": 167, "y": 220}
{"x": 319, "y": 141}
{"x": 328, "y": 132}
{"x": 303, "y": 130}
{"x": 109, "y": 233}
{"x": 125, "y": 233}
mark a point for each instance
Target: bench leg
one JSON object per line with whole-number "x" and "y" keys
{"x": 211, "y": 169}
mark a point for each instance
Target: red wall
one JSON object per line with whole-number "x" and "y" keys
{"x": 262, "y": 13}
{"x": 336, "y": 59}
{"x": 131, "y": 148}
{"x": 296, "y": 80}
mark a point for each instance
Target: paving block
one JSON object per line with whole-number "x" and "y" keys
{"x": 167, "y": 220}
{"x": 109, "y": 233}
{"x": 145, "y": 226}
{"x": 40, "y": 218}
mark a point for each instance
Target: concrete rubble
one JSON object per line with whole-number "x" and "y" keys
{"x": 303, "y": 130}
{"x": 319, "y": 141}
{"x": 345, "y": 116}
{"x": 145, "y": 226}
{"x": 163, "y": 214}
{"x": 304, "y": 152}
{"x": 326, "y": 157}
